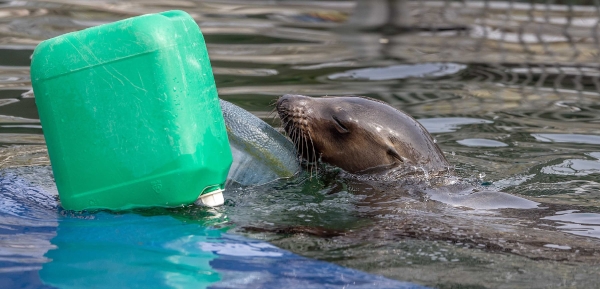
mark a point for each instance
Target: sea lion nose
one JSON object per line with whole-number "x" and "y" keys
{"x": 284, "y": 101}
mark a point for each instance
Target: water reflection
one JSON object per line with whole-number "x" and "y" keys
{"x": 574, "y": 167}
{"x": 478, "y": 142}
{"x": 583, "y": 224}
{"x": 568, "y": 138}
{"x": 449, "y": 124}
{"x": 399, "y": 72}
{"x": 128, "y": 251}
{"x": 514, "y": 73}
{"x": 158, "y": 251}
{"x": 251, "y": 250}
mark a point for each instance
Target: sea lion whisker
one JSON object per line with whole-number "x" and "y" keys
{"x": 301, "y": 144}
{"x": 272, "y": 113}
{"x": 284, "y": 125}
{"x": 307, "y": 152}
{"x": 291, "y": 134}
{"x": 298, "y": 143}
{"x": 290, "y": 123}
{"x": 294, "y": 137}
{"x": 274, "y": 103}
{"x": 313, "y": 155}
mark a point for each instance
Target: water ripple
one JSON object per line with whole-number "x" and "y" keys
{"x": 583, "y": 224}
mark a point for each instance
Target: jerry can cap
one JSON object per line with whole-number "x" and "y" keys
{"x": 212, "y": 199}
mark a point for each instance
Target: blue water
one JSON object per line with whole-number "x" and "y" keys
{"x": 45, "y": 246}
{"x": 111, "y": 251}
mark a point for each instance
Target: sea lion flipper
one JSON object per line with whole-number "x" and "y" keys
{"x": 479, "y": 200}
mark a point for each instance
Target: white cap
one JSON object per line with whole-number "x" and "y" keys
{"x": 212, "y": 199}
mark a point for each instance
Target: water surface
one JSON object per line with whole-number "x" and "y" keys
{"x": 508, "y": 89}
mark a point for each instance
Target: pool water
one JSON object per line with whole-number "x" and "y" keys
{"x": 508, "y": 89}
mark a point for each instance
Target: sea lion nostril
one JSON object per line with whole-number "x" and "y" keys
{"x": 282, "y": 103}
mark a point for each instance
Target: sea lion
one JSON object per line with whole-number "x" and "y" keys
{"x": 364, "y": 136}
{"x": 358, "y": 134}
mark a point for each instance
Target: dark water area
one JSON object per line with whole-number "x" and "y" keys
{"x": 509, "y": 90}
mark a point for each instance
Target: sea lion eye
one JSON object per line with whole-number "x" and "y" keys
{"x": 339, "y": 125}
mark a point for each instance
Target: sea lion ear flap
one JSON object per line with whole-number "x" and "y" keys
{"x": 392, "y": 152}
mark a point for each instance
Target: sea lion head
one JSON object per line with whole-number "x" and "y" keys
{"x": 358, "y": 134}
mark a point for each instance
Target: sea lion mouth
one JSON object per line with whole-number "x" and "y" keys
{"x": 292, "y": 110}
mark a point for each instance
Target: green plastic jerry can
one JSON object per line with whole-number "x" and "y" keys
{"x": 130, "y": 114}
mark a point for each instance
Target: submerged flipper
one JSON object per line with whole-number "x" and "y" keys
{"x": 478, "y": 199}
